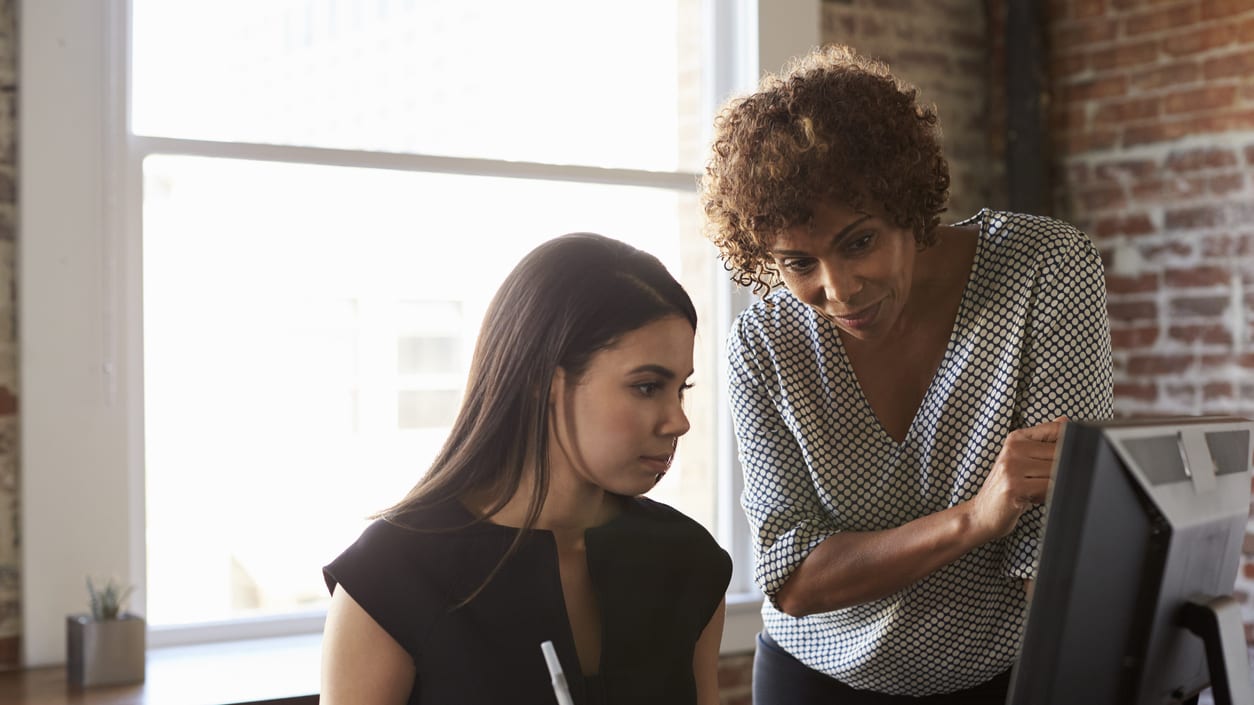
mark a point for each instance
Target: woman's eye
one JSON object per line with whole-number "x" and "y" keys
{"x": 797, "y": 266}
{"x": 861, "y": 242}
{"x": 647, "y": 388}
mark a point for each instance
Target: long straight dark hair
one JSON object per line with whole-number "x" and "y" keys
{"x": 566, "y": 300}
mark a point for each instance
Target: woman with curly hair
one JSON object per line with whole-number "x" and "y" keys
{"x": 898, "y": 399}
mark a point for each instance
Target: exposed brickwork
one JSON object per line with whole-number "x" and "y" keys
{"x": 942, "y": 48}
{"x": 1152, "y": 118}
{"x": 10, "y": 606}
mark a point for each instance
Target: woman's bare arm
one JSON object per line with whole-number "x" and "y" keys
{"x": 361, "y": 663}
{"x": 850, "y": 568}
{"x": 705, "y": 657}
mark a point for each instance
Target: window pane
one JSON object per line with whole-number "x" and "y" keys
{"x": 555, "y": 81}
{"x": 307, "y": 332}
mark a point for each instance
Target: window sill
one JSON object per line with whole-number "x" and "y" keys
{"x": 274, "y": 670}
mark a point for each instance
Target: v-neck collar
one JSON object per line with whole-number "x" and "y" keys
{"x": 959, "y": 324}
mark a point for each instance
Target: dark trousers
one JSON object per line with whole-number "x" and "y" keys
{"x": 780, "y": 679}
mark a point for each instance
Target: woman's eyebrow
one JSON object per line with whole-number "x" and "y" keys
{"x": 844, "y": 232}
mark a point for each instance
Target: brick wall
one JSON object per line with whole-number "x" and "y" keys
{"x": 10, "y": 607}
{"x": 1152, "y": 122}
{"x": 942, "y": 47}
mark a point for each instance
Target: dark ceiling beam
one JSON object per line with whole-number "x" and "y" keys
{"x": 1027, "y": 86}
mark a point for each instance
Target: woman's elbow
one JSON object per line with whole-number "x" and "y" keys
{"x": 789, "y": 601}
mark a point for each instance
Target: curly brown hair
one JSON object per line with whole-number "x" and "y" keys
{"x": 834, "y": 126}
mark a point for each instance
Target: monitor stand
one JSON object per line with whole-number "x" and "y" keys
{"x": 1217, "y": 620}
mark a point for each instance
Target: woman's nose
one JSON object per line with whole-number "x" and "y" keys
{"x": 676, "y": 423}
{"x": 840, "y": 285}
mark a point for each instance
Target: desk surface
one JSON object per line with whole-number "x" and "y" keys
{"x": 272, "y": 671}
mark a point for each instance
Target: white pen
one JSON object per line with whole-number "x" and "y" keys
{"x": 555, "y": 671}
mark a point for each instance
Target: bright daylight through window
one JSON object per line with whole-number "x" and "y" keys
{"x": 308, "y": 317}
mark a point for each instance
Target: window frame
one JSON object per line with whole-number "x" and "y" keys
{"x": 80, "y": 305}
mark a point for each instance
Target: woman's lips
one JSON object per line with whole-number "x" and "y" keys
{"x": 857, "y": 320}
{"x": 658, "y": 463}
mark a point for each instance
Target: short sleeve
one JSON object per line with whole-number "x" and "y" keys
{"x": 786, "y": 519}
{"x": 375, "y": 572}
{"x": 1067, "y": 360}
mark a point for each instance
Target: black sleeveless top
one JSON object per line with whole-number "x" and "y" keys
{"x": 658, "y": 577}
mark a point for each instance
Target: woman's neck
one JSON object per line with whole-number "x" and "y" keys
{"x": 570, "y": 505}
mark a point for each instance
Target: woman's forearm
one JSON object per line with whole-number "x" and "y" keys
{"x": 852, "y": 567}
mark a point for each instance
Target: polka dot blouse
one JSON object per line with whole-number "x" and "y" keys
{"x": 1031, "y": 342}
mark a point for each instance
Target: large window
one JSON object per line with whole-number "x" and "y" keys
{"x": 251, "y": 291}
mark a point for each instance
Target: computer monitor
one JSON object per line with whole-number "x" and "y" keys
{"x": 1132, "y": 603}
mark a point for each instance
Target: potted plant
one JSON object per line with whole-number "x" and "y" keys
{"x": 105, "y": 647}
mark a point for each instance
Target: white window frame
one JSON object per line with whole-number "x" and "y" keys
{"x": 80, "y": 337}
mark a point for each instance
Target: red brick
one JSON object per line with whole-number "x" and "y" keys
{"x": 1088, "y": 8}
{"x": 1212, "y": 333}
{"x": 1082, "y": 33}
{"x": 1127, "y": 311}
{"x": 1249, "y": 154}
{"x": 1169, "y": 252}
{"x": 1082, "y": 141}
{"x": 1094, "y": 89}
{"x": 1138, "y": 4}
{"x": 1139, "y": 284}
{"x": 871, "y": 27}
{"x": 1206, "y": 307}
{"x": 1103, "y": 198}
{"x": 1235, "y": 65}
{"x": 1245, "y": 31}
{"x": 1226, "y": 184}
{"x": 1201, "y": 158}
{"x": 1133, "y": 338}
{"x": 1152, "y": 365}
{"x": 1196, "y": 41}
{"x": 1078, "y": 172}
{"x": 1136, "y": 224}
{"x": 1140, "y": 392}
{"x": 1068, "y": 64}
{"x": 1212, "y": 362}
{"x": 1201, "y": 275}
{"x": 1214, "y": 9}
{"x": 1165, "y": 18}
{"x": 1124, "y": 55}
{"x": 1218, "y": 390}
{"x": 1068, "y": 117}
{"x": 1168, "y": 189}
{"x": 1227, "y": 246}
{"x": 1199, "y": 99}
{"x": 1128, "y": 110}
{"x": 1125, "y": 169}
{"x": 837, "y": 25}
{"x": 1197, "y": 217}
{"x": 1235, "y": 212}
{"x": 10, "y": 652}
{"x": 1174, "y": 74}
{"x": 1158, "y": 132}
{"x": 1235, "y": 121}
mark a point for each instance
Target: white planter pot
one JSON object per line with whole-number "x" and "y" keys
{"x": 108, "y": 652}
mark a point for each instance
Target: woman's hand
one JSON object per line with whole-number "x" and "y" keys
{"x": 1019, "y": 478}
